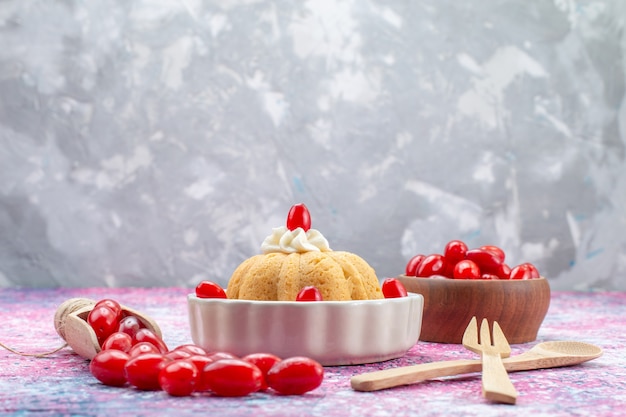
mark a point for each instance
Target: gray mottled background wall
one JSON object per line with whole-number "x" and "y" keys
{"x": 155, "y": 143}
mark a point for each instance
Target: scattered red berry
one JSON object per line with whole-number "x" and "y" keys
{"x": 208, "y": 289}
{"x": 393, "y": 288}
{"x": 133, "y": 354}
{"x": 309, "y": 293}
{"x": 218, "y": 356}
{"x": 130, "y": 325}
{"x": 299, "y": 216}
{"x": 177, "y": 354}
{"x": 141, "y": 348}
{"x": 295, "y": 376}
{"x": 147, "y": 335}
{"x": 119, "y": 341}
{"x": 193, "y": 349}
{"x": 201, "y": 362}
{"x": 178, "y": 378}
{"x": 103, "y": 321}
{"x": 263, "y": 361}
{"x": 142, "y": 371}
{"x": 113, "y": 305}
{"x": 108, "y": 367}
{"x": 232, "y": 378}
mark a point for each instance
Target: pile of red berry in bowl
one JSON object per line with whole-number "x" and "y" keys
{"x": 462, "y": 282}
{"x": 330, "y": 332}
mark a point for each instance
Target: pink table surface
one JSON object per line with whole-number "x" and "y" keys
{"x": 61, "y": 384}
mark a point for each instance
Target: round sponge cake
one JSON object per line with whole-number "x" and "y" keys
{"x": 277, "y": 276}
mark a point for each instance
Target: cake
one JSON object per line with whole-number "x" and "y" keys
{"x": 294, "y": 257}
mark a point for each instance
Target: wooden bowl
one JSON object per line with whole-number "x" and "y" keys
{"x": 519, "y": 306}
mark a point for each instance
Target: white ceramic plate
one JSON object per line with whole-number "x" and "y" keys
{"x": 331, "y": 332}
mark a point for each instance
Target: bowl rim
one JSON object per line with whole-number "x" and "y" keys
{"x": 439, "y": 278}
{"x": 192, "y": 297}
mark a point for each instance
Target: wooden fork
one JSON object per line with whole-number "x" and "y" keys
{"x": 497, "y": 386}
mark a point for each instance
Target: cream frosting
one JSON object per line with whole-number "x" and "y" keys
{"x": 294, "y": 241}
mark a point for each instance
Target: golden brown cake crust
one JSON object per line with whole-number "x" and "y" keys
{"x": 240, "y": 273}
{"x": 339, "y": 276}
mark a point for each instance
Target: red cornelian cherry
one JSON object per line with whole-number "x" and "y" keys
{"x": 142, "y": 371}
{"x": 119, "y": 341}
{"x": 147, "y": 335}
{"x": 138, "y": 357}
{"x": 487, "y": 261}
{"x": 108, "y": 367}
{"x": 263, "y": 361}
{"x": 178, "y": 378}
{"x": 534, "y": 272}
{"x": 113, "y": 305}
{"x": 232, "y": 378}
{"x": 466, "y": 269}
{"x": 309, "y": 293}
{"x": 141, "y": 348}
{"x": 103, "y": 321}
{"x": 413, "y": 264}
{"x": 177, "y": 354}
{"x": 296, "y": 375}
{"x": 431, "y": 265}
{"x": 299, "y": 216}
{"x": 495, "y": 250}
{"x": 208, "y": 289}
{"x": 201, "y": 362}
{"x": 454, "y": 251}
{"x": 503, "y": 271}
{"x": 448, "y": 269}
{"x": 218, "y": 356}
{"x": 489, "y": 276}
{"x": 393, "y": 288}
{"x": 191, "y": 348}
{"x": 130, "y": 325}
{"x": 522, "y": 271}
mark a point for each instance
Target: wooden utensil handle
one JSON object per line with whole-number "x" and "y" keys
{"x": 405, "y": 375}
{"x": 497, "y": 386}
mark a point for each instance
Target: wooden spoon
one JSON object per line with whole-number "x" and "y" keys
{"x": 543, "y": 355}
{"x": 70, "y": 322}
